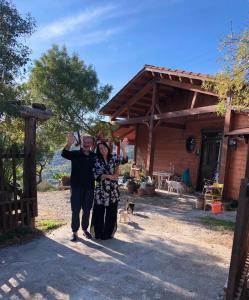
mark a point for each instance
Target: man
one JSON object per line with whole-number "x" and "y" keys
{"x": 82, "y": 183}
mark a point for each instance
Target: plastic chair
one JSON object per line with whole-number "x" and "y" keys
{"x": 213, "y": 193}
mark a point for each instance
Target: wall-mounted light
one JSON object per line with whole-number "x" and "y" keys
{"x": 232, "y": 142}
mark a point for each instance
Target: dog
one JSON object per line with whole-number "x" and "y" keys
{"x": 129, "y": 207}
{"x": 123, "y": 215}
{"x": 175, "y": 186}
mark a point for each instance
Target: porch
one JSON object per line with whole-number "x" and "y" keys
{"x": 171, "y": 119}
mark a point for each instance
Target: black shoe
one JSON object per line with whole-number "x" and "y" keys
{"x": 74, "y": 237}
{"x": 87, "y": 234}
{"x": 106, "y": 237}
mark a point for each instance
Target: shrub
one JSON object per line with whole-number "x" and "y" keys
{"x": 124, "y": 169}
{"x": 45, "y": 186}
{"x": 59, "y": 175}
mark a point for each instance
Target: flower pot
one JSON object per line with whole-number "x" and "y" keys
{"x": 150, "y": 190}
{"x": 131, "y": 187}
{"x": 200, "y": 203}
{"x": 65, "y": 180}
{"x": 141, "y": 192}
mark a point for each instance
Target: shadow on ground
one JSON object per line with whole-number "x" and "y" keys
{"x": 132, "y": 268}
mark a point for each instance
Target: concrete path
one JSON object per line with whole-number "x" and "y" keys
{"x": 155, "y": 256}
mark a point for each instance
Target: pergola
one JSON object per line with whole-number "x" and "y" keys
{"x": 21, "y": 208}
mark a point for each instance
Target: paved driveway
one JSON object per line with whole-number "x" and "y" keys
{"x": 161, "y": 254}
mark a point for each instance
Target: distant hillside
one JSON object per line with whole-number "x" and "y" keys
{"x": 61, "y": 165}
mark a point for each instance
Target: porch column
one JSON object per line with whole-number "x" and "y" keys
{"x": 29, "y": 165}
{"x": 224, "y": 150}
{"x": 151, "y": 142}
{"x": 136, "y": 143}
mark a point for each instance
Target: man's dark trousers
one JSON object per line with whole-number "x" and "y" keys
{"x": 81, "y": 198}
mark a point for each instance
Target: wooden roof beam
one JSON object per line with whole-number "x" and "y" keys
{"x": 186, "y": 86}
{"x": 133, "y": 99}
{"x": 169, "y": 115}
{"x": 172, "y": 125}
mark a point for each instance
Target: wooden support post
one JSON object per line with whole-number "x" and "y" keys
{"x": 136, "y": 144}
{"x": 240, "y": 243}
{"x": 29, "y": 164}
{"x": 151, "y": 142}
{"x": 224, "y": 151}
{"x": 118, "y": 148}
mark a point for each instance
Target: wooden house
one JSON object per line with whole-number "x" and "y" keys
{"x": 172, "y": 121}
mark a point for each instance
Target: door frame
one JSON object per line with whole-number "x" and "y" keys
{"x": 203, "y": 131}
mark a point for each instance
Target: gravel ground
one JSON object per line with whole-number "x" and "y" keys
{"x": 163, "y": 252}
{"x": 180, "y": 214}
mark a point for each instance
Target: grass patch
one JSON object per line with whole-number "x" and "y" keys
{"x": 218, "y": 224}
{"x": 46, "y": 225}
{"x": 24, "y": 233}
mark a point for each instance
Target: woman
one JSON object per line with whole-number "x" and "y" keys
{"x": 104, "y": 217}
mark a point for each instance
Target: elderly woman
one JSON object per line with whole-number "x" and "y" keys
{"x": 104, "y": 217}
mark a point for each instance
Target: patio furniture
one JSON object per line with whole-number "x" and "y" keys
{"x": 161, "y": 177}
{"x": 212, "y": 194}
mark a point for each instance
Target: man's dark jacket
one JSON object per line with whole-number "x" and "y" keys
{"x": 82, "y": 168}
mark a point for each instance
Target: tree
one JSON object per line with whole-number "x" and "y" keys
{"x": 69, "y": 87}
{"x": 232, "y": 81}
{"x": 14, "y": 53}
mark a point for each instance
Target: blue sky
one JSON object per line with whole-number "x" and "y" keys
{"x": 118, "y": 37}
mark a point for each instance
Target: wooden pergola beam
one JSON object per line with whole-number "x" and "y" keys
{"x": 133, "y": 99}
{"x": 168, "y": 115}
{"x": 186, "y": 86}
{"x": 194, "y": 100}
{"x": 42, "y": 115}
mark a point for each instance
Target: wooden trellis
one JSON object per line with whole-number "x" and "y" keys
{"x": 19, "y": 207}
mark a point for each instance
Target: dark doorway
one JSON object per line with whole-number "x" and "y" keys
{"x": 210, "y": 157}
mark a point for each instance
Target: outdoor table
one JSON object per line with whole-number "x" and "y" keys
{"x": 161, "y": 176}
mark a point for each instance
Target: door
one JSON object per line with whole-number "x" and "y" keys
{"x": 210, "y": 157}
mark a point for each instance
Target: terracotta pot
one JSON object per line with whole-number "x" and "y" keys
{"x": 65, "y": 180}
{"x": 131, "y": 187}
{"x": 141, "y": 192}
{"x": 200, "y": 203}
{"x": 150, "y": 190}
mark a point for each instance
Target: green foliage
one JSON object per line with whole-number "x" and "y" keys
{"x": 231, "y": 84}
{"x": 125, "y": 169}
{"x": 69, "y": 87}
{"x": 14, "y": 53}
{"x": 46, "y": 225}
{"x": 58, "y": 176}
{"x": 218, "y": 224}
{"x": 44, "y": 186}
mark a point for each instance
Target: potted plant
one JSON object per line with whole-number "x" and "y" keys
{"x": 142, "y": 189}
{"x": 132, "y": 185}
{"x": 150, "y": 187}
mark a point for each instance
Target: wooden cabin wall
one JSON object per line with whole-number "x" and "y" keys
{"x": 237, "y": 158}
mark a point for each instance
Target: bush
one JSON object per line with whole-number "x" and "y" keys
{"x": 59, "y": 175}
{"x": 124, "y": 169}
{"x": 45, "y": 186}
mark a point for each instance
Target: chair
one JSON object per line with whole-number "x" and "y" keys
{"x": 213, "y": 193}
